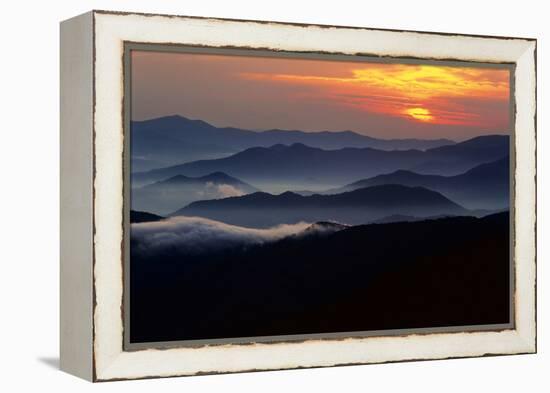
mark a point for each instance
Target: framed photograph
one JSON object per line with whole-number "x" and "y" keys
{"x": 247, "y": 195}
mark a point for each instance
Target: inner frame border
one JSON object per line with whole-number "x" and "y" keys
{"x": 129, "y": 46}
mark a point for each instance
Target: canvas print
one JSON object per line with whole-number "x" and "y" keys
{"x": 280, "y": 195}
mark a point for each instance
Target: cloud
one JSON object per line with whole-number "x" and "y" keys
{"x": 395, "y": 89}
{"x": 225, "y": 190}
{"x": 197, "y": 235}
{"x": 212, "y": 190}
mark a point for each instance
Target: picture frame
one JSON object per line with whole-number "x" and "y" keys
{"x": 95, "y": 193}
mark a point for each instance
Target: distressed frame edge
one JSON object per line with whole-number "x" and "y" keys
{"x": 525, "y": 339}
{"x": 76, "y": 196}
{"x": 526, "y": 123}
{"x": 303, "y": 24}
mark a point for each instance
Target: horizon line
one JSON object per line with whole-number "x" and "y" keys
{"x": 177, "y": 115}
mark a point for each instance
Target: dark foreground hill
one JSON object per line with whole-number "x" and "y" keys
{"x": 263, "y": 210}
{"x": 434, "y": 273}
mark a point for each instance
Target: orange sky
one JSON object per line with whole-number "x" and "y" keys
{"x": 416, "y": 92}
{"x": 381, "y": 100}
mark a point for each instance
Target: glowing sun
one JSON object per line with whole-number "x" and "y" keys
{"x": 421, "y": 114}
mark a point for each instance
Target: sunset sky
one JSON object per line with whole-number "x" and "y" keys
{"x": 380, "y": 100}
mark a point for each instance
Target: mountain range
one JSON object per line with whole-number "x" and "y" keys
{"x": 263, "y": 210}
{"x": 175, "y": 139}
{"x": 167, "y": 195}
{"x": 385, "y": 225}
{"x": 485, "y": 186}
{"x": 433, "y": 273}
{"x": 298, "y": 166}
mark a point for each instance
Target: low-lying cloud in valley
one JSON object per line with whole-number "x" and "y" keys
{"x": 197, "y": 235}
{"x": 212, "y": 191}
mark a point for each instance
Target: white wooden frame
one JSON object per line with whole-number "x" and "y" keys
{"x": 92, "y": 143}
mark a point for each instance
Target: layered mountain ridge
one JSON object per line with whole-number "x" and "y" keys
{"x": 166, "y": 140}
{"x": 263, "y": 210}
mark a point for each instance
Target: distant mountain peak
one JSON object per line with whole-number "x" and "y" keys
{"x": 176, "y": 139}
{"x": 478, "y": 141}
{"x": 261, "y": 209}
{"x": 288, "y": 194}
{"x": 173, "y": 179}
{"x": 218, "y": 176}
{"x": 396, "y": 193}
{"x": 175, "y": 120}
{"x": 403, "y": 172}
{"x": 292, "y": 146}
{"x": 177, "y": 116}
{"x": 486, "y": 137}
{"x": 278, "y": 147}
{"x": 298, "y": 145}
{"x": 501, "y": 163}
{"x": 212, "y": 177}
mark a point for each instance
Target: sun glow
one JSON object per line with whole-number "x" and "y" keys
{"x": 421, "y": 114}
{"x": 453, "y": 94}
